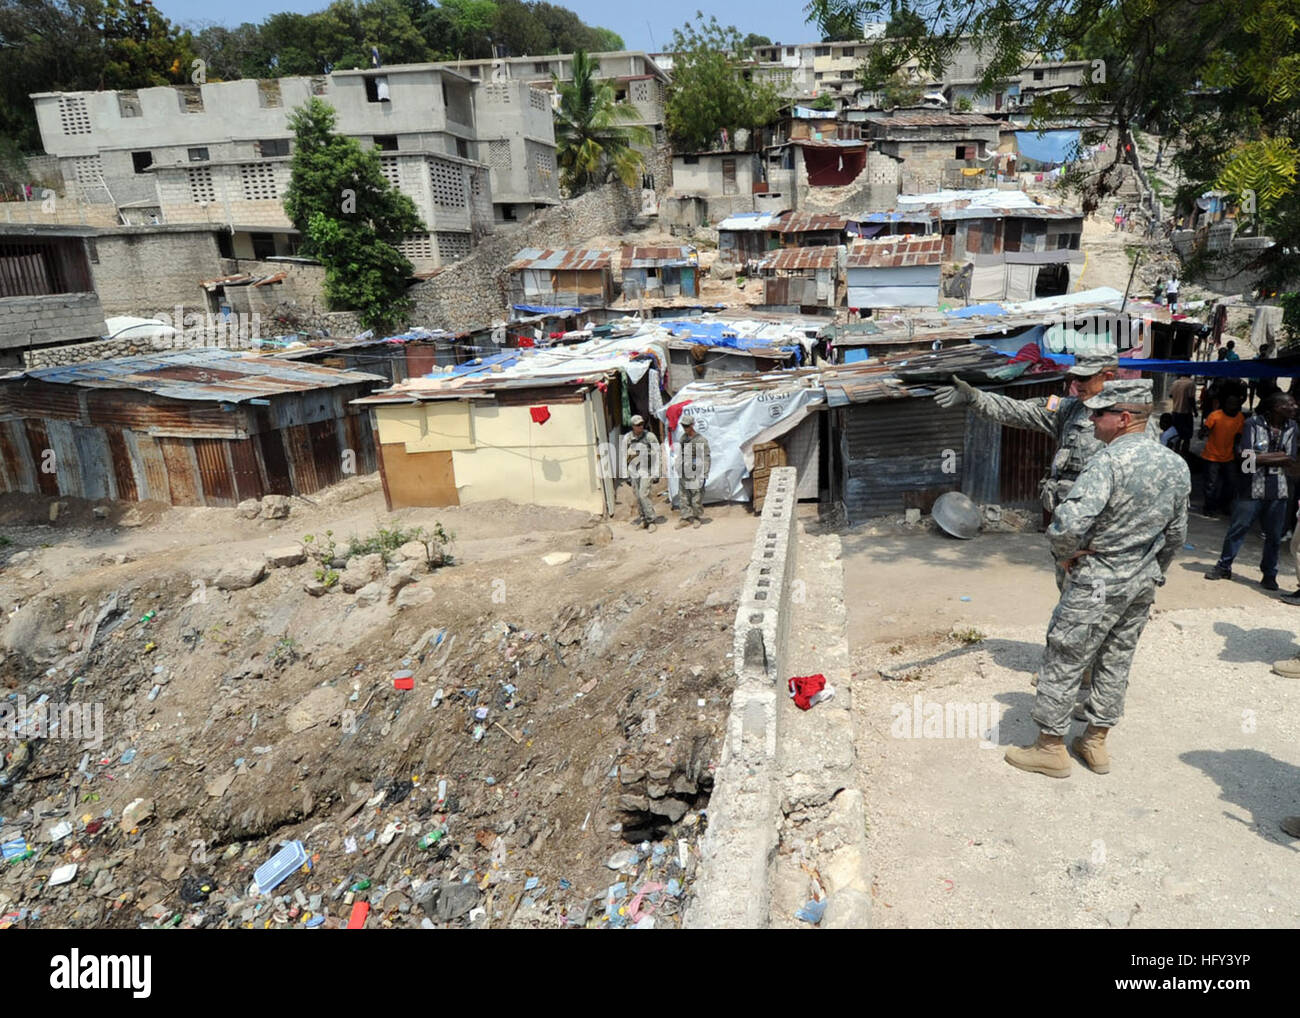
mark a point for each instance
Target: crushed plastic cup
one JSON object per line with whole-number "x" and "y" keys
{"x": 812, "y": 912}
{"x": 63, "y": 874}
{"x": 279, "y": 867}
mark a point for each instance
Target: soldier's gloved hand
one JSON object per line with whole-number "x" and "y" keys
{"x": 957, "y": 394}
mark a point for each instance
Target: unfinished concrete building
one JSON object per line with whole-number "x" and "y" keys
{"x": 219, "y": 153}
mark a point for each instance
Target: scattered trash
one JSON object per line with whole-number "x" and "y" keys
{"x": 812, "y": 912}
{"x": 1189, "y": 547}
{"x": 965, "y": 597}
{"x": 60, "y": 831}
{"x": 147, "y": 617}
{"x": 129, "y": 755}
{"x": 279, "y": 867}
{"x": 403, "y": 680}
{"x": 620, "y": 859}
{"x": 360, "y": 910}
{"x": 63, "y": 874}
{"x": 16, "y": 850}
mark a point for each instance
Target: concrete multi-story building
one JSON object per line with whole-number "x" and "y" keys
{"x": 467, "y": 153}
{"x": 637, "y": 80}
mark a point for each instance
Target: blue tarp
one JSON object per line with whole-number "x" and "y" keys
{"x": 720, "y": 334}
{"x": 483, "y": 364}
{"x": 1048, "y": 147}
{"x": 855, "y": 353}
{"x": 546, "y": 309}
{"x": 1218, "y": 369}
{"x": 976, "y": 309}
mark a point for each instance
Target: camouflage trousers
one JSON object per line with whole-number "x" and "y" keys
{"x": 1082, "y": 632}
{"x": 645, "y": 508}
{"x": 692, "y": 500}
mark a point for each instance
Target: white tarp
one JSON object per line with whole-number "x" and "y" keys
{"x": 734, "y": 422}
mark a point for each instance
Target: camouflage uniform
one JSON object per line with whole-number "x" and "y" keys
{"x": 693, "y": 470}
{"x": 641, "y": 455}
{"x": 1129, "y": 508}
{"x": 1068, "y": 421}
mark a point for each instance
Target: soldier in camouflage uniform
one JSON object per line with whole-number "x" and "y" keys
{"x": 1063, "y": 417}
{"x": 642, "y": 453}
{"x": 693, "y": 472}
{"x": 1114, "y": 534}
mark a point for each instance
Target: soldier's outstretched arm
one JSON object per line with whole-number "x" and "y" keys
{"x": 1031, "y": 414}
{"x": 1075, "y": 517}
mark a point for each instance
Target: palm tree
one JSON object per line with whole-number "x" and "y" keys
{"x": 595, "y": 134}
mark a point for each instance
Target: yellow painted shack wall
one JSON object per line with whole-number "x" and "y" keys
{"x": 514, "y": 458}
{"x": 426, "y": 427}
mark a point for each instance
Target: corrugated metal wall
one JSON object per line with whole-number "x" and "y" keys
{"x": 895, "y": 455}
{"x": 898, "y": 454}
{"x": 106, "y": 458}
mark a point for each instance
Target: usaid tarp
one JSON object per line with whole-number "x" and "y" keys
{"x": 733, "y": 421}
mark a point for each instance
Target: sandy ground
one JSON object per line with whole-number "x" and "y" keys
{"x": 1183, "y": 831}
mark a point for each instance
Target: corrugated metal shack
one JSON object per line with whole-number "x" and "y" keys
{"x": 189, "y": 427}
{"x": 659, "y": 272}
{"x": 892, "y": 272}
{"x": 745, "y": 236}
{"x": 802, "y": 278}
{"x": 580, "y": 277}
{"x": 711, "y": 349}
{"x": 894, "y": 448}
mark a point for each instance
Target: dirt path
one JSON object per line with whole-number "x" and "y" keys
{"x": 1183, "y": 832}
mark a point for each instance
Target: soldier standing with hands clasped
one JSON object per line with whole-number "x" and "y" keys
{"x": 642, "y": 454}
{"x": 1114, "y": 535}
{"x": 692, "y": 471}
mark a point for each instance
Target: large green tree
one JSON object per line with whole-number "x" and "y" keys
{"x": 351, "y": 218}
{"x": 594, "y": 134}
{"x": 713, "y": 88}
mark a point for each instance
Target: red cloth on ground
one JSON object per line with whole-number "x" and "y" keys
{"x": 804, "y": 688}
{"x": 541, "y": 414}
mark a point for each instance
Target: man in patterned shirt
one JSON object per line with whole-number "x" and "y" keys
{"x": 1266, "y": 449}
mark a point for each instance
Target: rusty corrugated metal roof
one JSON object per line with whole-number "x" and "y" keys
{"x": 205, "y": 375}
{"x": 653, "y": 257}
{"x": 896, "y": 252}
{"x": 568, "y": 260}
{"x": 935, "y": 120}
{"x": 795, "y": 258}
{"x": 808, "y": 222}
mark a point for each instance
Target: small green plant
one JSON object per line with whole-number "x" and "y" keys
{"x": 964, "y": 105}
{"x": 285, "y": 652}
{"x": 323, "y": 551}
{"x": 5, "y": 542}
{"x": 329, "y": 577}
{"x": 385, "y": 541}
{"x": 968, "y": 636}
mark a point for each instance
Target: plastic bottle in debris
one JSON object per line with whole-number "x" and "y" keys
{"x": 147, "y": 616}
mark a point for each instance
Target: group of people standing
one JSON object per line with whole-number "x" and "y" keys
{"x": 1118, "y": 499}
{"x": 641, "y": 459}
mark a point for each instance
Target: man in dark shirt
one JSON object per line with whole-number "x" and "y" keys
{"x": 1266, "y": 449}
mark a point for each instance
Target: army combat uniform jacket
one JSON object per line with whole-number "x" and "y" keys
{"x": 1067, "y": 420}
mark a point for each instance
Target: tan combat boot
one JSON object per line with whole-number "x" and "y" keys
{"x": 1046, "y": 756}
{"x": 1091, "y": 746}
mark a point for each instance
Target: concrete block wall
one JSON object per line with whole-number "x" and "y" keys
{"x": 734, "y": 889}
{"x": 473, "y": 291}
{"x": 147, "y": 271}
{"x": 55, "y": 318}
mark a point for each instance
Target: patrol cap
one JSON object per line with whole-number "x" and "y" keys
{"x": 1088, "y": 364}
{"x": 687, "y": 420}
{"x": 638, "y": 419}
{"x": 1125, "y": 392}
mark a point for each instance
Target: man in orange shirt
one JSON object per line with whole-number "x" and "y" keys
{"x": 1223, "y": 427}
